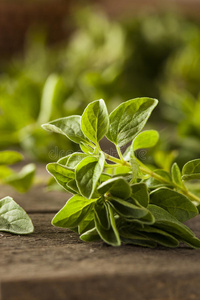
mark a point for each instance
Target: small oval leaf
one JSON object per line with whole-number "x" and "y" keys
{"x": 128, "y": 119}
{"x": 62, "y": 174}
{"x": 13, "y": 218}
{"x": 145, "y": 139}
{"x": 127, "y": 209}
{"x": 117, "y": 186}
{"x": 74, "y": 211}
{"x": 111, "y": 235}
{"x": 140, "y": 193}
{"x": 95, "y": 120}
{"x": 68, "y": 126}
{"x": 88, "y": 172}
{"x": 175, "y": 203}
{"x": 176, "y": 175}
{"x": 191, "y": 170}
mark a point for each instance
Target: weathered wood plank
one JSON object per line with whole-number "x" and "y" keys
{"x": 54, "y": 264}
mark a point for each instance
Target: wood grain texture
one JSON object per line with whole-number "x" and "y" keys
{"x": 54, "y": 264}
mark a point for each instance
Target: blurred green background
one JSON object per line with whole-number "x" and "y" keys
{"x": 68, "y": 57}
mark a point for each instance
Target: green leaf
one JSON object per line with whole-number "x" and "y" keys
{"x": 153, "y": 183}
{"x": 86, "y": 148}
{"x": 169, "y": 223}
{"x": 68, "y": 126}
{"x": 159, "y": 236}
{"x": 95, "y": 121}
{"x": 75, "y": 158}
{"x": 71, "y": 186}
{"x": 110, "y": 236}
{"x": 90, "y": 236}
{"x": 102, "y": 214}
{"x": 127, "y": 209}
{"x": 146, "y": 220}
{"x": 88, "y": 172}
{"x": 122, "y": 170}
{"x": 135, "y": 169}
{"x": 74, "y": 211}
{"x": 62, "y": 174}
{"x": 176, "y": 175}
{"x": 126, "y": 176}
{"x": 117, "y": 186}
{"x": 191, "y": 170}
{"x": 141, "y": 231}
{"x": 23, "y": 180}
{"x": 87, "y": 223}
{"x": 145, "y": 139}
{"x": 128, "y": 119}
{"x": 136, "y": 238}
{"x": 175, "y": 203}
{"x": 140, "y": 193}
{"x": 9, "y": 157}
{"x": 13, "y": 218}
{"x": 64, "y": 160}
{"x": 104, "y": 177}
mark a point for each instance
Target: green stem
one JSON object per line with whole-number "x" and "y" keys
{"x": 112, "y": 166}
{"x": 148, "y": 171}
{"x": 116, "y": 160}
{"x": 120, "y": 154}
{"x": 98, "y": 146}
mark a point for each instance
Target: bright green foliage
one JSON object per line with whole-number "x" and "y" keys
{"x": 175, "y": 203}
{"x": 69, "y": 126}
{"x": 73, "y": 212}
{"x": 124, "y": 201}
{"x": 140, "y": 193}
{"x": 13, "y": 218}
{"x": 128, "y": 119}
{"x": 117, "y": 187}
{"x": 62, "y": 174}
{"x": 191, "y": 170}
{"x": 95, "y": 121}
{"x": 88, "y": 172}
{"x": 145, "y": 139}
{"x": 176, "y": 175}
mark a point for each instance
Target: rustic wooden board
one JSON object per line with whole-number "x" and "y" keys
{"x": 54, "y": 264}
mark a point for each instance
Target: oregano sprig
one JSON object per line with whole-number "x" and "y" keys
{"x": 121, "y": 200}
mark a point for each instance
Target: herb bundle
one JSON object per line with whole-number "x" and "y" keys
{"x": 121, "y": 200}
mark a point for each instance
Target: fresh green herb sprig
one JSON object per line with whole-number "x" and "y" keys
{"x": 121, "y": 200}
{"x": 13, "y": 218}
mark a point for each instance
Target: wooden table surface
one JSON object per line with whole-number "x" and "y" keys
{"x": 53, "y": 263}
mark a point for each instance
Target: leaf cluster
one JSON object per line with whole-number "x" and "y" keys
{"x": 121, "y": 200}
